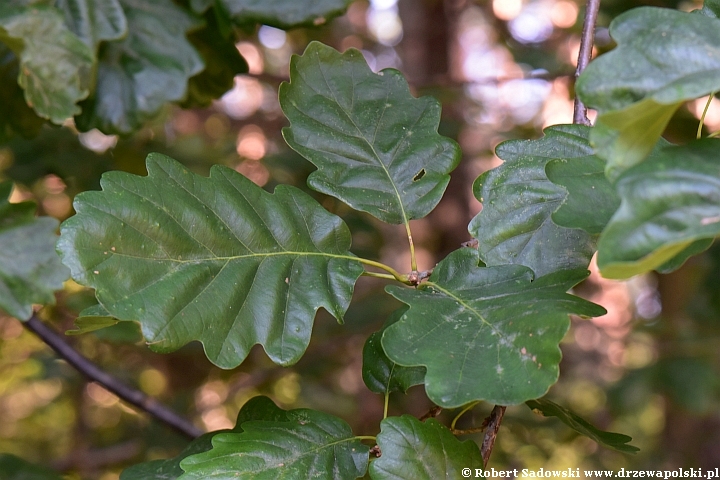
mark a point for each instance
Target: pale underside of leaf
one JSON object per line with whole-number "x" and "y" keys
{"x": 211, "y": 259}
{"x": 669, "y": 202}
{"x": 675, "y": 57}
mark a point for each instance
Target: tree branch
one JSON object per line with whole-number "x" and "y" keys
{"x": 586, "y": 45}
{"x": 95, "y": 374}
{"x": 493, "y": 425}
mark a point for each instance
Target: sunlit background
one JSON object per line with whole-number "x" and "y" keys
{"x": 503, "y": 69}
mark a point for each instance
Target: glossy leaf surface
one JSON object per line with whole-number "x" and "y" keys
{"x": 30, "y": 270}
{"x": 515, "y": 225}
{"x": 54, "y": 64}
{"x": 382, "y": 375}
{"x": 375, "y": 145}
{"x": 590, "y": 200}
{"x": 675, "y": 57}
{"x": 485, "y": 333}
{"x": 283, "y": 14}
{"x": 257, "y": 408}
{"x": 421, "y": 451}
{"x": 138, "y": 75}
{"x": 94, "y": 20}
{"x": 215, "y": 259}
{"x": 669, "y": 202}
{"x": 616, "y": 441}
{"x": 306, "y": 444}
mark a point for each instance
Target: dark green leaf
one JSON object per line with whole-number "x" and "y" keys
{"x": 679, "y": 260}
{"x": 376, "y": 147}
{"x": 15, "y": 115}
{"x": 280, "y": 13}
{"x": 138, "y": 75}
{"x": 54, "y": 64}
{"x": 616, "y": 441}
{"x": 215, "y": 259}
{"x": 382, "y": 375}
{"x": 669, "y": 202}
{"x": 30, "y": 270}
{"x": 91, "y": 319}
{"x": 485, "y": 333}
{"x": 94, "y": 20}
{"x": 711, "y": 8}
{"x": 664, "y": 57}
{"x": 257, "y": 408}
{"x": 14, "y": 468}
{"x": 307, "y": 444}
{"x": 515, "y": 225}
{"x": 421, "y": 451}
{"x": 590, "y": 200}
{"x": 222, "y": 63}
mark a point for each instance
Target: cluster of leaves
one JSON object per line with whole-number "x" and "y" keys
{"x": 114, "y": 64}
{"x": 220, "y": 261}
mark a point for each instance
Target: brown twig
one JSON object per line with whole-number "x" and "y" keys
{"x": 493, "y": 425}
{"x": 112, "y": 384}
{"x": 432, "y": 413}
{"x": 586, "y": 45}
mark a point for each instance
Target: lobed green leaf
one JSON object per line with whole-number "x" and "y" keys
{"x": 94, "y": 20}
{"x": 215, "y": 259}
{"x": 277, "y": 13}
{"x": 30, "y": 270}
{"x": 54, "y": 65}
{"x": 664, "y": 57}
{"x": 382, "y": 375}
{"x": 485, "y": 333}
{"x": 150, "y": 67}
{"x": 421, "y": 451}
{"x": 516, "y": 224}
{"x": 257, "y": 408}
{"x": 303, "y": 444}
{"x": 669, "y": 202}
{"x": 375, "y": 145}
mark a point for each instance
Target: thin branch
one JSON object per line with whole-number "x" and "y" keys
{"x": 586, "y": 45}
{"x": 432, "y": 413}
{"x": 95, "y": 374}
{"x": 493, "y": 425}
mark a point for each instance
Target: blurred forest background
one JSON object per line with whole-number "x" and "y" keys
{"x": 502, "y": 69}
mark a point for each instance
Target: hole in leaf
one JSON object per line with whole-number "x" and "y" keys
{"x": 419, "y": 175}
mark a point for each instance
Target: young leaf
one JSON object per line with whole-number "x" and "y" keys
{"x": 669, "y": 202}
{"x": 675, "y": 57}
{"x": 590, "y": 200}
{"x": 515, "y": 225}
{"x": 421, "y": 451}
{"x": 382, "y": 375}
{"x": 215, "y": 259}
{"x": 15, "y": 468}
{"x": 616, "y": 441}
{"x": 485, "y": 333}
{"x": 54, "y": 64}
{"x": 279, "y": 13}
{"x": 375, "y": 145}
{"x": 94, "y": 20}
{"x": 307, "y": 444}
{"x": 138, "y": 75}
{"x": 257, "y": 408}
{"x": 30, "y": 270}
